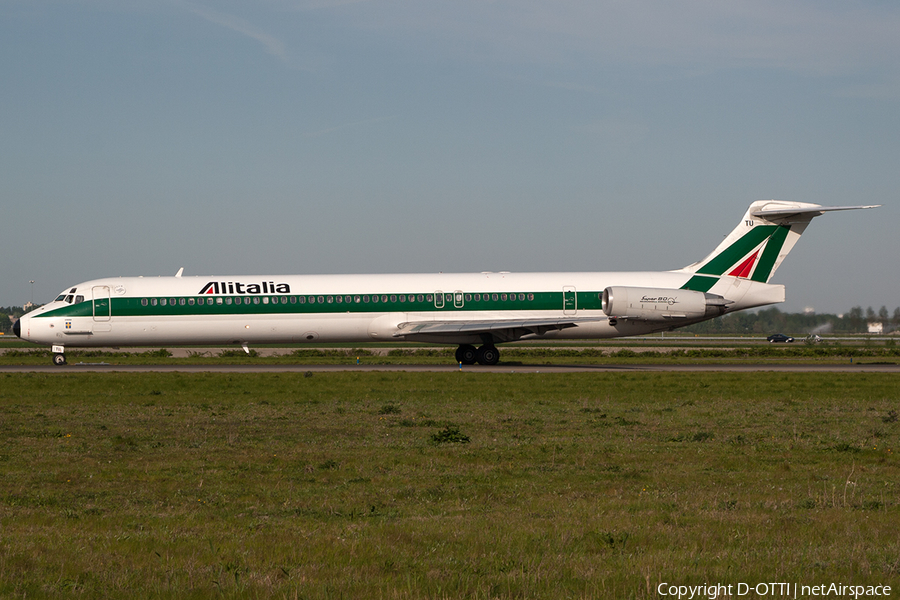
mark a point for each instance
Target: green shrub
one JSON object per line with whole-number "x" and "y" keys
{"x": 450, "y": 435}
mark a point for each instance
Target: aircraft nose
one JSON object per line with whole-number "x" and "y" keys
{"x": 17, "y": 328}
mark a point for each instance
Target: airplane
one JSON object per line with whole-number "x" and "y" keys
{"x": 474, "y": 311}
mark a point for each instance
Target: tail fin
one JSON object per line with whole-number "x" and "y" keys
{"x": 756, "y": 247}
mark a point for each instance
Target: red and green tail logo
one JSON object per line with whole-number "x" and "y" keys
{"x": 753, "y": 257}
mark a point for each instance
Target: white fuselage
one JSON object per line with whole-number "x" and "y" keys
{"x": 146, "y": 311}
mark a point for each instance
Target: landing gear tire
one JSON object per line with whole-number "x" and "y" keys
{"x": 466, "y": 354}
{"x": 487, "y": 355}
{"x": 59, "y": 359}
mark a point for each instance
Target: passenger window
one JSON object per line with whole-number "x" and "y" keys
{"x": 494, "y": 297}
{"x": 339, "y": 299}
{"x": 393, "y": 298}
{"x": 329, "y": 299}
{"x": 521, "y": 297}
{"x": 219, "y": 300}
{"x": 191, "y": 301}
{"x": 293, "y": 299}
{"x": 209, "y": 301}
{"x": 503, "y": 297}
{"x": 228, "y": 300}
{"x": 321, "y": 299}
{"x": 357, "y": 299}
{"x": 181, "y": 301}
{"x": 153, "y": 302}
{"x": 531, "y": 296}
{"x": 302, "y": 299}
{"x": 374, "y": 297}
{"x": 402, "y": 297}
{"x": 429, "y": 297}
{"x": 265, "y": 299}
{"x": 144, "y": 302}
{"x": 468, "y": 297}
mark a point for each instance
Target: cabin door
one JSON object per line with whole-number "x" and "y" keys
{"x": 102, "y": 310}
{"x": 570, "y": 300}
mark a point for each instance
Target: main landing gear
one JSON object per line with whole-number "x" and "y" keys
{"x": 485, "y": 355}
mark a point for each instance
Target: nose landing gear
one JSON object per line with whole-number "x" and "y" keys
{"x": 485, "y": 355}
{"x": 59, "y": 358}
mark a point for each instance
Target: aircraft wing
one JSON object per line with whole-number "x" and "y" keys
{"x": 503, "y": 330}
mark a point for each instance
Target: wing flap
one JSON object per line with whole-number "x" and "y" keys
{"x": 513, "y": 327}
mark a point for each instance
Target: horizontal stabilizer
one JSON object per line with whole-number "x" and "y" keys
{"x": 781, "y": 214}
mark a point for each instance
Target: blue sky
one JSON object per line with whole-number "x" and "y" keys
{"x": 393, "y": 136}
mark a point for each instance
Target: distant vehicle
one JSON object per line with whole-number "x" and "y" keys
{"x": 813, "y": 338}
{"x": 780, "y": 337}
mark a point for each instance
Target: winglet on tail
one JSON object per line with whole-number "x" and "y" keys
{"x": 756, "y": 247}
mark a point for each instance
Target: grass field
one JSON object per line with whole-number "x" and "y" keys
{"x": 444, "y": 485}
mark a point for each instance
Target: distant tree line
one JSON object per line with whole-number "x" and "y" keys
{"x": 772, "y": 320}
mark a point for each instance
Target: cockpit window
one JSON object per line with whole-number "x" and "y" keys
{"x": 67, "y": 296}
{"x": 79, "y": 299}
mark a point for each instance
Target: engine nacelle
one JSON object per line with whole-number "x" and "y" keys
{"x": 660, "y": 304}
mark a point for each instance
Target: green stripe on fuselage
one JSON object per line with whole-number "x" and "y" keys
{"x": 699, "y": 283}
{"x": 283, "y": 304}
